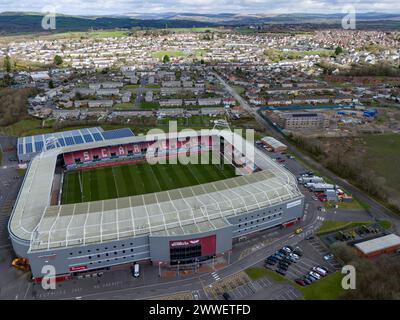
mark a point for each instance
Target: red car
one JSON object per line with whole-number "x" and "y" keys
{"x": 300, "y": 282}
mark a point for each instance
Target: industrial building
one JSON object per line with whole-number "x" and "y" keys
{"x": 180, "y": 226}
{"x": 303, "y": 120}
{"x": 273, "y": 144}
{"x": 387, "y": 244}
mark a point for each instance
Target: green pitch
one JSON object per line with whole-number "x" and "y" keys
{"x": 139, "y": 178}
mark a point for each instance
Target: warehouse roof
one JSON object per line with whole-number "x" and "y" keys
{"x": 180, "y": 211}
{"x": 273, "y": 142}
{"x": 378, "y": 244}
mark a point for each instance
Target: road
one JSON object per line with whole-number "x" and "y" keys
{"x": 376, "y": 211}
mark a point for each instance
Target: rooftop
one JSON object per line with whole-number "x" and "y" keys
{"x": 377, "y": 244}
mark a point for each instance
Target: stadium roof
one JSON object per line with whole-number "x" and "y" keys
{"x": 187, "y": 210}
{"x": 36, "y": 144}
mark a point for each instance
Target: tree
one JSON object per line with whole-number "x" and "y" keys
{"x": 51, "y": 84}
{"x": 58, "y": 60}
{"x": 338, "y": 50}
{"x": 7, "y": 63}
{"x": 165, "y": 59}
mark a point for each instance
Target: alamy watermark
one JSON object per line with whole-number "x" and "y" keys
{"x": 349, "y": 20}
{"x": 49, "y": 18}
{"x": 349, "y": 280}
{"x": 49, "y": 277}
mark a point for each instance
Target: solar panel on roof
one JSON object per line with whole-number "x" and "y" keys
{"x": 20, "y": 148}
{"x": 78, "y": 139}
{"x": 39, "y": 146}
{"x": 61, "y": 141}
{"x": 88, "y": 138}
{"x": 97, "y": 137}
{"x": 118, "y": 133}
{"x": 69, "y": 141}
{"x": 29, "y": 147}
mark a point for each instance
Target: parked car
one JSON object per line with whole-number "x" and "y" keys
{"x": 135, "y": 270}
{"x": 320, "y": 271}
{"x": 328, "y": 257}
{"x": 226, "y": 296}
{"x": 310, "y": 278}
{"x": 269, "y": 263}
{"x": 281, "y": 272}
{"x": 278, "y": 257}
{"x": 306, "y": 281}
{"x": 300, "y": 282}
{"x": 310, "y": 238}
{"x": 294, "y": 256}
{"x": 314, "y": 275}
{"x": 323, "y": 268}
{"x": 283, "y": 267}
{"x": 288, "y": 247}
{"x": 299, "y": 230}
{"x": 283, "y": 251}
{"x": 298, "y": 252}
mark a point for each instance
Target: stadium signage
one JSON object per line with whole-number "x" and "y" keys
{"x": 184, "y": 243}
{"x": 77, "y": 268}
{"x": 293, "y": 204}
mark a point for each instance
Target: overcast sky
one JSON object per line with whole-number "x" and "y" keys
{"x": 97, "y": 7}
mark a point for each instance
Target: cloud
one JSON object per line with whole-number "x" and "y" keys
{"x": 104, "y": 7}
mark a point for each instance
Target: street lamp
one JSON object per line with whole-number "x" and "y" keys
{"x": 159, "y": 269}
{"x": 178, "y": 267}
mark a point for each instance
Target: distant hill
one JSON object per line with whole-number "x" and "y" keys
{"x": 23, "y": 22}
{"x": 234, "y": 19}
{"x": 11, "y": 22}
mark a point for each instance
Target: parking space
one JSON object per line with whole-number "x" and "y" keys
{"x": 250, "y": 288}
{"x": 289, "y": 294}
{"x": 297, "y": 262}
{"x": 176, "y": 296}
{"x": 316, "y": 244}
{"x": 219, "y": 287}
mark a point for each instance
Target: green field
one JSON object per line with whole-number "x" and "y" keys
{"x": 139, "y": 178}
{"x": 382, "y": 152}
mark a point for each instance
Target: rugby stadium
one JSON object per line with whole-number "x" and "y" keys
{"x": 97, "y": 204}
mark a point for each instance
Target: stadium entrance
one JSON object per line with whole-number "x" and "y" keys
{"x": 192, "y": 251}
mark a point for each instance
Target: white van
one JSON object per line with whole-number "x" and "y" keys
{"x": 136, "y": 270}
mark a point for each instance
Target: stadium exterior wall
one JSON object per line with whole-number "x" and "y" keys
{"x": 154, "y": 248}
